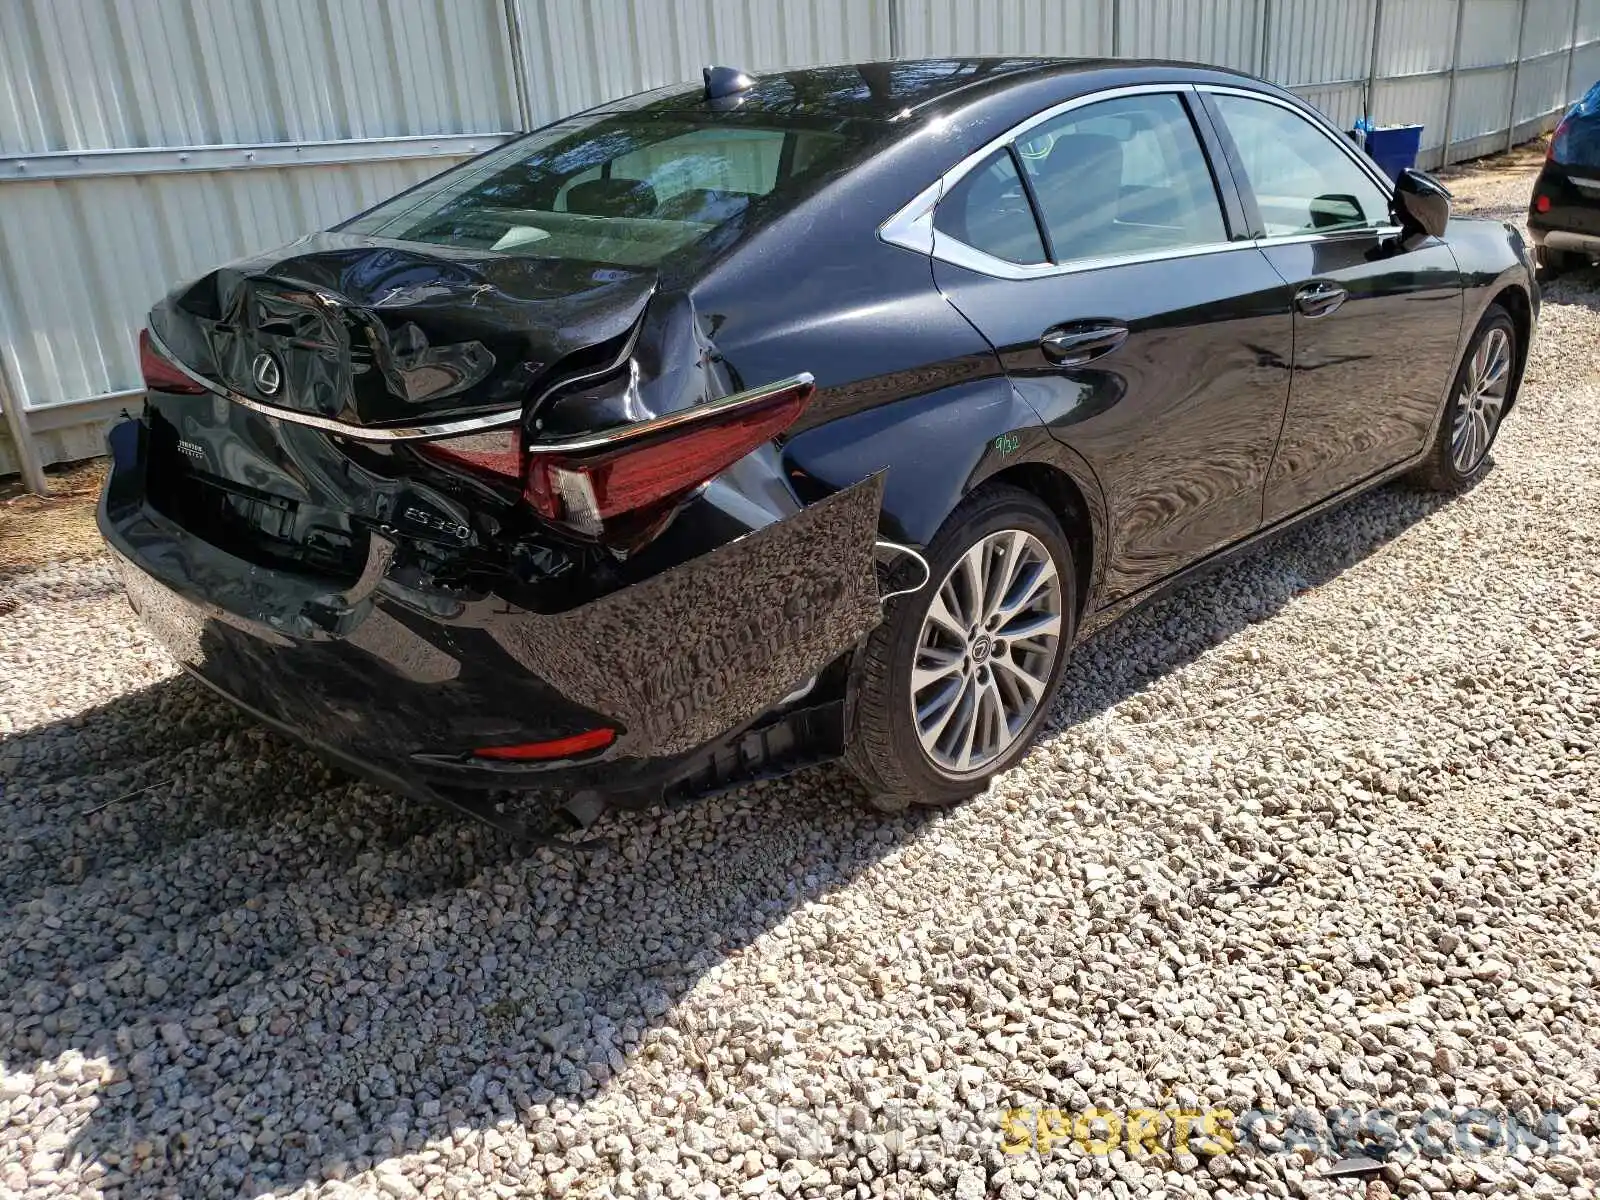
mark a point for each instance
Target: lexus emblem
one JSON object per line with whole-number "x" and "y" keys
{"x": 982, "y": 648}
{"x": 266, "y": 374}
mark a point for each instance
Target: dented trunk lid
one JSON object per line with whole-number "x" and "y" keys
{"x": 373, "y": 333}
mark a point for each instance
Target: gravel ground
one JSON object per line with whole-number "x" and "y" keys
{"x": 1320, "y": 831}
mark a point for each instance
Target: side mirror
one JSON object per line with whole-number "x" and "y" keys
{"x": 1421, "y": 204}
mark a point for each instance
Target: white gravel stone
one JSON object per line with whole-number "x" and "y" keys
{"x": 1319, "y": 831}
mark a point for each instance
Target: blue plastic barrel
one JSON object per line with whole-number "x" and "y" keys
{"x": 1394, "y": 147}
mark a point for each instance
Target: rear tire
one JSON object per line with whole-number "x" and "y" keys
{"x": 997, "y": 676}
{"x": 1484, "y": 387}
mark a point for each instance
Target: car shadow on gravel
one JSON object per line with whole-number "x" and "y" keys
{"x": 251, "y": 971}
{"x": 1579, "y": 287}
{"x": 1172, "y": 631}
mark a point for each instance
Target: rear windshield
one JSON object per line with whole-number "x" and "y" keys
{"x": 1577, "y": 140}
{"x": 628, "y": 189}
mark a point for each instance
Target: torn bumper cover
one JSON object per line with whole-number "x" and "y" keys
{"x": 402, "y": 684}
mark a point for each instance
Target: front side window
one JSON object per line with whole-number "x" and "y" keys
{"x": 1303, "y": 181}
{"x": 1123, "y": 176}
{"x": 625, "y": 189}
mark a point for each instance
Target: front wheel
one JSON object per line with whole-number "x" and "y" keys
{"x": 952, "y": 687}
{"x": 1482, "y": 390}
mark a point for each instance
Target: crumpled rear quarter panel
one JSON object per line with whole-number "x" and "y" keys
{"x": 708, "y": 645}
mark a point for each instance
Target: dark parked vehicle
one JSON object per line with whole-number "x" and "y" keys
{"x": 729, "y": 428}
{"x": 1564, "y": 214}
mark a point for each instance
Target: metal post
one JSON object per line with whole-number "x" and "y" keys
{"x": 1264, "y": 56}
{"x": 1516, "y": 74}
{"x": 1450, "y": 96}
{"x": 519, "y": 64}
{"x": 1572, "y": 50}
{"x": 896, "y": 44}
{"x": 1116, "y": 28}
{"x": 17, "y": 423}
{"x": 1372, "y": 65}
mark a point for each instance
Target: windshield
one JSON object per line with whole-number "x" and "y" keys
{"x": 626, "y": 189}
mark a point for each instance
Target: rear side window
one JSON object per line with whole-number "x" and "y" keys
{"x": 1124, "y": 176}
{"x": 1304, "y": 182}
{"x": 625, "y": 189}
{"x": 988, "y": 210}
{"x": 1577, "y": 139}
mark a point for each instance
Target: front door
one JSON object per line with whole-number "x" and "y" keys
{"x": 1376, "y": 323}
{"x": 1131, "y": 318}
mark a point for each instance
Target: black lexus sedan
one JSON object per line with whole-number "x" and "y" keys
{"x": 1564, "y": 213}
{"x": 733, "y": 427}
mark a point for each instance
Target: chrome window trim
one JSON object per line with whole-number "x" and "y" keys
{"x": 1337, "y": 235}
{"x": 962, "y": 255}
{"x": 911, "y": 227}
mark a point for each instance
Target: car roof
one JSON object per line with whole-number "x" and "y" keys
{"x": 893, "y": 90}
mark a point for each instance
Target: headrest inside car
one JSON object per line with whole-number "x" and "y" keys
{"x": 612, "y": 198}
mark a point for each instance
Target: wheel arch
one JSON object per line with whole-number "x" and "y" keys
{"x": 940, "y": 447}
{"x": 1064, "y": 497}
{"x": 1514, "y": 299}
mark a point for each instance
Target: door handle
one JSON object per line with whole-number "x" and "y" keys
{"x": 1073, "y": 345}
{"x": 1320, "y": 298}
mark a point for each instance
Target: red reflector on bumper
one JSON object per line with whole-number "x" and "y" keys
{"x": 1541, "y": 204}
{"x": 578, "y": 743}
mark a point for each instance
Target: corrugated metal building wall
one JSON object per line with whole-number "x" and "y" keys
{"x": 142, "y": 141}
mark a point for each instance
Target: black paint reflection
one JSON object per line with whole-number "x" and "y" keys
{"x": 1180, "y": 422}
{"x": 1370, "y": 375}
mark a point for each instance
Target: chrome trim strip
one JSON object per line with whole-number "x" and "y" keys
{"x": 912, "y": 226}
{"x": 623, "y": 434}
{"x": 359, "y": 433}
{"x": 412, "y": 433}
{"x": 1292, "y": 239}
{"x": 622, "y": 356}
{"x": 962, "y": 255}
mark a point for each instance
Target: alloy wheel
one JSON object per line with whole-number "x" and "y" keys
{"x": 1481, "y": 401}
{"x": 986, "y": 651}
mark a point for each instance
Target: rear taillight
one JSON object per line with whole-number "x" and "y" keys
{"x": 495, "y": 455}
{"x": 1541, "y": 204}
{"x": 656, "y": 462}
{"x": 634, "y": 471}
{"x": 160, "y": 373}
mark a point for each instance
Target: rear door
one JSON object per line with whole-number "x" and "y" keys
{"x": 1096, "y": 251}
{"x": 1376, "y": 323}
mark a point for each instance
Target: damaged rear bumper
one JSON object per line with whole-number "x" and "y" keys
{"x": 401, "y": 682}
